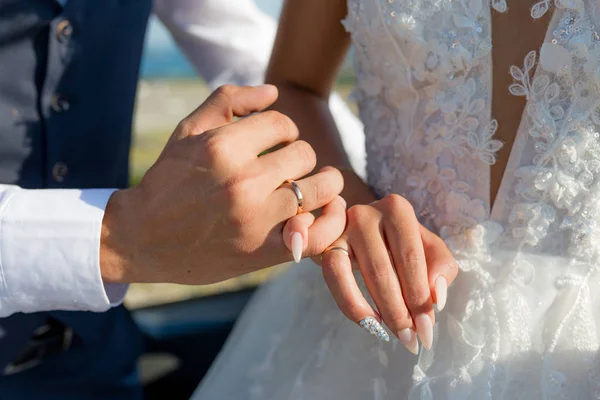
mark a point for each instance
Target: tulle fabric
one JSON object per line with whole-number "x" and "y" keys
{"x": 292, "y": 342}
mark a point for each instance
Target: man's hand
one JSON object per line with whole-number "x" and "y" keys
{"x": 210, "y": 208}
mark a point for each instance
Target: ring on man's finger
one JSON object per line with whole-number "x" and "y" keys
{"x": 298, "y": 194}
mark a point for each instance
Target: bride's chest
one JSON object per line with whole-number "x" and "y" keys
{"x": 441, "y": 40}
{"x": 429, "y": 91}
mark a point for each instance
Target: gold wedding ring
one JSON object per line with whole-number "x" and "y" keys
{"x": 298, "y": 194}
{"x": 335, "y": 248}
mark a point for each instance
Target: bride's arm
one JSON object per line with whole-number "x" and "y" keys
{"x": 310, "y": 46}
{"x": 309, "y": 49}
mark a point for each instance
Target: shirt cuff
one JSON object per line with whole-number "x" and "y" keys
{"x": 50, "y": 252}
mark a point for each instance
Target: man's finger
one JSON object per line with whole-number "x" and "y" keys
{"x": 224, "y": 104}
{"x": 259, "y": 132}
{"x": 317, "y": 191}
{"x": 293, "y": 161}
{"x": 327, "y": 228}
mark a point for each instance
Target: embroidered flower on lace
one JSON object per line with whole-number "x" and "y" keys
{"x": 458, "y": 127}
{"x": 472, "y": 243}
{"x": 482, "y": 143}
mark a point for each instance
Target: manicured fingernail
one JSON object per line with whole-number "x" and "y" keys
{"x": 441, "y": 292}
{"x": 425, "y": 330}
{"x": 373, "y": 326}
{"x": 409, "y": 340}
{"x": 297, "y": 245}
{"x": 343, "y": 201}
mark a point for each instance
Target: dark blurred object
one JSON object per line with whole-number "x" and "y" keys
{"x": 182, "y": 341}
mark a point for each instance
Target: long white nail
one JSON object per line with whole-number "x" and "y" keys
{"x": 441, "y": 292}
{"x": 297, "y": 246}
{"x": 373, "y": 326}
{"x": 409, "y": 340}
{"x": 425, "y": 330}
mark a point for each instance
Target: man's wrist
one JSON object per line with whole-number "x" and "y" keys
{"x": 115, "y": 263}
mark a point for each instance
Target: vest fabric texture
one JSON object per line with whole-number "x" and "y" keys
{"x": 68, "y": 78}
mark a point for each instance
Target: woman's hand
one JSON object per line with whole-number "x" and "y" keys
{"x": 406, "y": 269}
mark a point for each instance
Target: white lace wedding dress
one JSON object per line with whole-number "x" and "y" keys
{"x": 523, "y": 317}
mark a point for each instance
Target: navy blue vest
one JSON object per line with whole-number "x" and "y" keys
{"x": 68, "y": 79}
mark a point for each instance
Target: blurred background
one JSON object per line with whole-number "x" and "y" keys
{"x": 169, "y": 90}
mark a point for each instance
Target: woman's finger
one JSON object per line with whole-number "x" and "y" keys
{"x": 369, "y": 248}
{"x": 402, "y": 230}
{"x": 327, "y": 228}
{"x": 323, "y": 231}
{"x": 441, "y": 266}
{"x": 337, "y": 271}
{"x": 295, "y": 234}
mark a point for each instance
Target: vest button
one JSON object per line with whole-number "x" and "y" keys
{"x": 64, "y": 30}
{"x": 59, "y": 171}
{"x": 59, "y": 103}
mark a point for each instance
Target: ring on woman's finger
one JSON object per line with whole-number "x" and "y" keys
{"x": 335, "y": 248}
{"x": 298, "y": 194}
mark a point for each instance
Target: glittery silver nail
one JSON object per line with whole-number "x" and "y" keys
{"x": 372, "y": 326}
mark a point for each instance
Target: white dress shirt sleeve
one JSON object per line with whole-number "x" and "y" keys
{"x": 230, "y": 41}
{"x": 227, "y": 41}
{"x": 49, "y": 251}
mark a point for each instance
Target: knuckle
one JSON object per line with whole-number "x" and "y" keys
{"x": 283, "y": 124}
{"x": 215, "y": 146}
{"x": 396, "y": 202}
{"x": 358, "y": 213}
{"x": 240, "y": 191}
{"x": 379, "y": 273}
{"x": 225, "y": 91}
{"x": 336, "y": 180}
{"x": 398, "y": 320}
{"x": 416, "y": 296}
{"x": 243, "y": 213}
{"x": 352, "y": 310}
{"x": 321, "y": 193}
{"x": 186, "y": 127}
{"x": 222, "y": 99}
{"x": 412, "y": 258}
{"x": 306, "y": 154}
